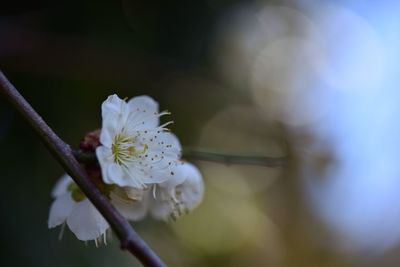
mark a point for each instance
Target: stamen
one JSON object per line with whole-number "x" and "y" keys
{"x": 105, "y": 239}
{"x": 124, "y": 150}
{"x": 140, "y": 118}
{"x": 165, "y": 112}
{"x": 145, "y": 148}
{"x": 165, "y": 124}
{"x": 154, "y": 192}
{"x": 61, "y": 234}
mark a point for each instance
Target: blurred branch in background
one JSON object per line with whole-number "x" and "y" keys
{"x": 130, "y": 240}
{"x": 207, "y": 155}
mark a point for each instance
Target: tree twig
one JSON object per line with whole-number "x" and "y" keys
{"x": 206, "y": 155}
{"x": 130, "y": 240}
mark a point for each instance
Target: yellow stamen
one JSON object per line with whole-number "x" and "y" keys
{"x": 123, "y": 148}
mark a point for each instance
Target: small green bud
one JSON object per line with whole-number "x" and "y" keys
{"x": 76, "y": 192}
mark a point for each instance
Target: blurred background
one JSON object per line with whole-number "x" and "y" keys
{"x": 316, "y": 81}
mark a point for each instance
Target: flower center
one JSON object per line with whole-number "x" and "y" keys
{"x": 124, "y": 149}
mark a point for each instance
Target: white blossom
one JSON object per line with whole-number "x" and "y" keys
{"x": 72, "y": 207}
{"x": 132, "y": 203}
{"x": 135, "y": 150}
{"x": 177, "y": 196}
{"x": 141, "y": 172}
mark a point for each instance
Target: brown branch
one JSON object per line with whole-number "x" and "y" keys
{"x": 130, "y": 240}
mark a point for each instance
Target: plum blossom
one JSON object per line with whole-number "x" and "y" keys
{"x": 132, "y": 203}
{"x": 139, "y": 171}
{"x": 135, "y": 151}
{"x": 173, "y": 198}
{"x": 71, "y": 206}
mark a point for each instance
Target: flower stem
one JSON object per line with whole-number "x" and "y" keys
{"x": 130, "y": 240}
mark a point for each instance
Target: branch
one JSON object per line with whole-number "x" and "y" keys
{"x": 130, "y": 240}
{"x": 192, "y": 153}
{"x": 272, "y": 162}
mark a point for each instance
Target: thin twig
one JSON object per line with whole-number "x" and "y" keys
{"x": 196, "y": 154}
{"x": 206, "y": 155}
{"x": 130, "y": 240}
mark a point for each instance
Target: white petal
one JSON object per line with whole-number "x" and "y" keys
{"x": 132, "y": 210}
{"x": 113, "y": 104}
{"x": 114, "y": 114}
{"x": 140, "y": 176}
{"x": 192, "y": 187}
{"x": 168, "y": 201}
{"x": 60, "y": 210}
{"x": 164, "y": 202}
{"x": 161, "y": 210}
{"x": 143, "y": 113}
{"x": 192, "y": 173}
{"x": 134, "y": 193}
{"x": 104, "y": 155}
{"x": 169, "y": 175}
{"x": 114, "y": 173}
{"x": 161, "y": 145}
{"x": 86, "y": 222}
{"x": 173, "y": 180}
{"x": 127, "y": 193}
{"x": 61, "y": 186}
{"x": 143, "y": 102}
{"x": 160, "y": 161}
{"x": 123, "y": 176}
{"x": 105, "y": 158}
{"x": 167, "y": 142}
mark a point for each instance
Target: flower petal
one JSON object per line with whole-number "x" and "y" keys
{"x": 143, "y": 113}
{"x": 161, "y": 210}
{"x": 173, "y": 180}
{"x": 124, "y": 176}
{"x": 114, "y": 114}
{"x": 86, "y": 222}
{"x": 61, "y": 186}
{"x": 171, "y": 201}
{"x": 60, "y": 210}
{"x": 161, "y": 144}
{"x": 193, "y": 187}
{"x": 105, "y": 158}
{"x": 114, "y": 173}
{"x": 134, "y": 193}
{"x": 160, "y": 161}
{"x": 133, "y": 210}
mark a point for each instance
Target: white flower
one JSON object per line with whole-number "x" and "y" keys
{"x": 135, "y": 150}
{"x": 177, "y": 196}
{"x": 132, "y": 203}
{"x": 71, "y": 206}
